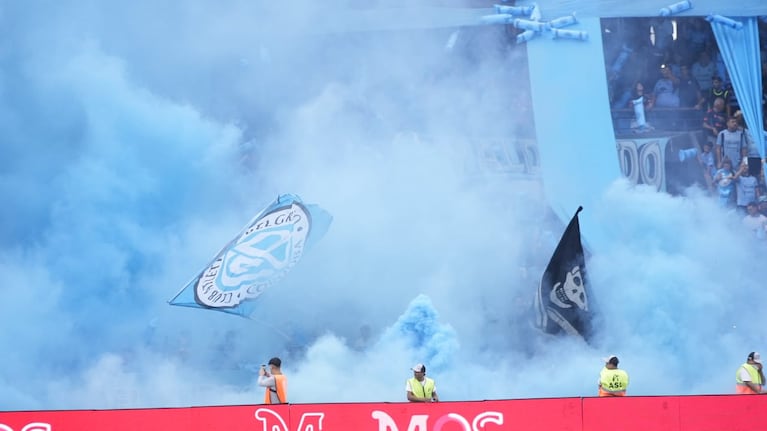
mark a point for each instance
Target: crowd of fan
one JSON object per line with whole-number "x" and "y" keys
{"x": 675, "y": 67}
{"x": 674, "y": 63}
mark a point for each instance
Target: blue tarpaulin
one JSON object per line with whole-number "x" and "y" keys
{"x": 740, "y": 52}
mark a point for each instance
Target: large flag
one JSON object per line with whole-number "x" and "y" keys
{"x": 562, "y": 302}
{"x": 257, "y": 258}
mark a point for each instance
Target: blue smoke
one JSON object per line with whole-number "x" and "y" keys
{"x": 133, "y": 153}
{"x": 434, "y": 343}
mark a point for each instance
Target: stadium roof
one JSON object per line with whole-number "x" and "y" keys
{"x": 627, "y": 8}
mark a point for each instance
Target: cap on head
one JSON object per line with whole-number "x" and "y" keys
{"x": 612, "y": 359}
{"x": 419, "y": 368}
{"x": 755, "y": 356}
{"x": 276, "y": 362}
{"x": 716, "y": 78}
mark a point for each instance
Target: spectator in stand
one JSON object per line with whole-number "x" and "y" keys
{"x": 714, "y": 122}
{"x": 762, "y": 205}
{"x": 703, "y": 71}
{"x": 750, "y": 378}
{"x": 674, "y": 61}
{"x": 613, "y": 382}
{"x": 745, "y": 188}
{"x": 661, "y": 33}
{"x": 732, "y": 104}
{"x": 707, "y": 161}
{"x": 689, "y": 90}
{"x": 717, "y": 90}
{"x": 636, "y": 91}
{"x": 761, "y": 187}
{"x": 618, "y": 90}
{"x": 698, "y": 35}
{"x": 731, "y": 144}
{"x": 752, "y": 149}
{"x": 421, "y": 389}
{"x": 724, "y": 184}
{"x": 755, "y": 221}
{"x": 666, "y": 89}
{"x": 764, "y": 86}
{"x": 721, "y": 68}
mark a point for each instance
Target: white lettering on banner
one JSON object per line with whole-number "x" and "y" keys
{"x": 311, "y": 422}
{"x": 418, "y": 422}
{"x": 267, "y": 417}
{"x": 386, "y": 423}
{"x": 34, "y": 426}
{"x": 272, "y": 421}
{"x": 452, "y": 417}
{"x": 643, "y": 162}
{"x": 486, "y": 417}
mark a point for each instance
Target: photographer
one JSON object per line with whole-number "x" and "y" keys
{"x": 274, "y": 381}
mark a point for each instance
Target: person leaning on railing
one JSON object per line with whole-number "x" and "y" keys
{"x": 613, "y": 382}
{"x": 749, "y": 377}
{"x": 714, "y": 122}
{"x": 419, "y": 388}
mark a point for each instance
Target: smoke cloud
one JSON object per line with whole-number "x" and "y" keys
{"x": 138, "y": 139}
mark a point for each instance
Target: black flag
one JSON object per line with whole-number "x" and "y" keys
{"x": 562, "y": 303}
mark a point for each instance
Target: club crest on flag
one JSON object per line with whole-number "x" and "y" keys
{"x": 257, "y": 258}
{"x": 260, "y": 257}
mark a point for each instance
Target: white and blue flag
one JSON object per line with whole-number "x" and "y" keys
{"x": 257, "y": 258}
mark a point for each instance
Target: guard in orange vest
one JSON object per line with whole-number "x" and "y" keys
{"x": 274, "y": 381}
{"x": 749, "y": 378}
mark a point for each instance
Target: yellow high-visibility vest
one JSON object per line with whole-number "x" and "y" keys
{"x": 422, "y": 390}
{"x": 740, "y": 386}
{"x": 614, "y": 381}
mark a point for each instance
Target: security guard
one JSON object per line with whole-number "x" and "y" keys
{"x": 421, "y": 389}
{"x": 749, "y": 378}
{"x": 612, "y": 381}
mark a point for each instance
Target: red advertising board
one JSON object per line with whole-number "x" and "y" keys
{"x": 631, "y": 414}
{"x": 226, "y": 418}
{"x": 690, "y": 413}
{"x": 562, "y": 414}
{"x": 722, "y": 412}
